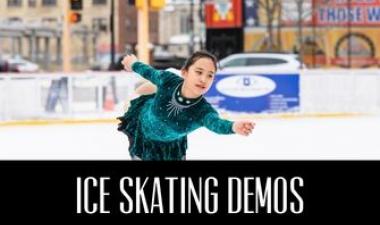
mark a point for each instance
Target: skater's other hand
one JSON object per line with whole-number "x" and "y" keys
{"x": 128, "y": 61}
{"x": 243, "y": 127}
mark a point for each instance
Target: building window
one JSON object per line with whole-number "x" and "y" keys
{"x": 49, "y": 21}
{"x": 14, "y": 20}
{"x": 99, "y": 2}
{"x": 184, "y": 24}
{"x": 236, "y": 63}
{"x": 32, "y": 3}
{"x": 49, "y": 2}
{"x": 99, "y": 24}
{"x": 14, "y": 3}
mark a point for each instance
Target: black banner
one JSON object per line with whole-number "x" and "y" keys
{"x": 207, "y": 190}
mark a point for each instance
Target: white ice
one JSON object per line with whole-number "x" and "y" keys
{"x": 273, "y": 139}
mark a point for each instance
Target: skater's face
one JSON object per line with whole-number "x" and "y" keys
{"x": 199, "y": 77}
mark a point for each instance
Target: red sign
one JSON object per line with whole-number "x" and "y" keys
{"x": 344, "y": 12}
{"x": 224, "y": 14}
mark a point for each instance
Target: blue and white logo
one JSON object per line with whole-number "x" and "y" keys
{"x": 255, "y": 93}
{"x": 245, "y": 86}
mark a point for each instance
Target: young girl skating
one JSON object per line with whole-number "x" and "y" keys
{"x": 157, "y": 124}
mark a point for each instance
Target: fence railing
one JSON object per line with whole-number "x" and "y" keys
{"x": 39, "y": 96}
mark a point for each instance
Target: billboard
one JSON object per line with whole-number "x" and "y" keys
{"x": 251, "y": 13}
{"x": 223, "y": 14}
{"x": 255, "y": 93}
{"x": 344, "y": 12}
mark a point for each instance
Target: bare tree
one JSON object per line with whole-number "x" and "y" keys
{"x": 270, "y": 7}
{"x": 302, "y": 13}
{"x": 300, "y": 21}
{"x": 279, "y": 27}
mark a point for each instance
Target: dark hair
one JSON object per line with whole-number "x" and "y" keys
{"x": 199, "y": 55}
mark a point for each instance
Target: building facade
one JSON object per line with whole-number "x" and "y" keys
{"x": 171, "y": 28}
{"x": 335, "y": 33}
{"x": 33, "y": 29}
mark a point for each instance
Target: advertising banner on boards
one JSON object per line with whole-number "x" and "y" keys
{"x": 255, "y": 93}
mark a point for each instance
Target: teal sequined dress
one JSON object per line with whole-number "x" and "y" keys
{"x": 157, "y": 125}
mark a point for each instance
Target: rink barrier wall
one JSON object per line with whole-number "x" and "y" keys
{"x": 24, "y": 98}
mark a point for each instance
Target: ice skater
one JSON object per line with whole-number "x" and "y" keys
{"x": 157, "y": 124}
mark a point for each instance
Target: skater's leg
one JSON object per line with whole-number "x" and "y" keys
{"x": 146, "y": 88}
{"x": 135, "y": 158}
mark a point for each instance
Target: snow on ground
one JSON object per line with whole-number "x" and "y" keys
{"x": 273, "y": 139}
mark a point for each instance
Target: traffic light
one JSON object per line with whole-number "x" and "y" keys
{"x": 76, "y": 4}
{"x": 139, "y": 4}
{"x": 75, "y": 17}
{"x": 157, "y": 4}
{"x": 153, "y": 4}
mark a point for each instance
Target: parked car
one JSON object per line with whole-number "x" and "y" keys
{"x": 163, "y": 63}
{"x": 3, "y": 65}
{"x": 104, "y": 61}
{"x": 163, "y": 59}
{"x": 18, "y": 64}
{"x": 267, "y": 62}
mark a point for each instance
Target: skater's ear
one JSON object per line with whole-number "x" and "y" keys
{"x": 184, "y": 72}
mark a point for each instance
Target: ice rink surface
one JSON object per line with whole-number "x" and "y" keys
{"x": 339, "y": 138}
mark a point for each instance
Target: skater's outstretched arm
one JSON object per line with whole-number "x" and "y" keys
{"x": 213, "y": 122}
{"x": 157, "y": 77}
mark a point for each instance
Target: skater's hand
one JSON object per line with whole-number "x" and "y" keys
{"x": 243, "y": 127}
{"x": 128, "y": 61}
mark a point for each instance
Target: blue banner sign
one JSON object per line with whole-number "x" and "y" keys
{"x": 255, "y": 93}
{"x": 251, "y": 13}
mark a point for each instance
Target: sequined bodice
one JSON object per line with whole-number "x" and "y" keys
{"x": 169, "y": 115}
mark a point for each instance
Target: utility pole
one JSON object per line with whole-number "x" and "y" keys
{"x": 300, "y": 31}
{"x": 349, "y": 36}
{"x": 191, "y": 23}
{"x": 112, "y": 65}
{"x": 202, "y": 22}
{"x": 143, "y": 32}
{"x": 66, "y": 46}
{"x": 314, "y": 31}
{"x": 112, "y": 26}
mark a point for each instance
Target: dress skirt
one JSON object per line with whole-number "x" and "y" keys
{"x": 143, "y": 147}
